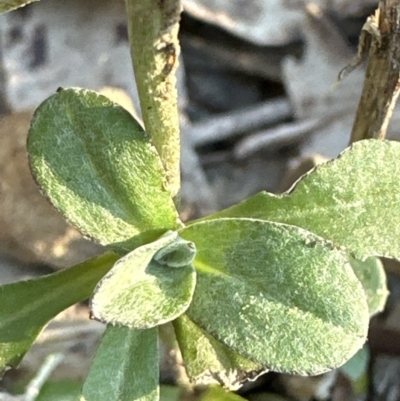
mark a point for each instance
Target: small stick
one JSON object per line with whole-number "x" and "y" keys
{"x": 232, "y": 124}
{"x": 34, "y": 387}
{"x": 36, "y": 384}
{"x": 381, "y": 38}
{"x": 282, "y": 135}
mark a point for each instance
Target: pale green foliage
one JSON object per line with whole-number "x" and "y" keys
{"x": 142, "y": 290}
{"x": 176, "y": 252}
{"x": 279, "y": 282}
{"x": 277, "y": 294}
{"x": 208, "y": 360}
{"x": 27, "y": 306}
{"x": 217, "y": 393}
{"x": 357, "y": 366}
{"x": 356, "y": 370}
{"x": 373, "y": 278}
{"x": 97, "y": 166}
{"x": 352, "y": 201}
{"x": 261, "y": 294}
{"x": 125, "y": 367}
{"x": 63, "y": 390}
{"x": 8, "y": 5}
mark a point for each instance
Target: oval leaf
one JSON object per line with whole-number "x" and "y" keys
{"x": 125, "y": 367}
{"x": 27, "y": 306}
{"x": 372, "y": 276}
{"x": 60, "y": 390}
{"x": 352, "y": 201}
{"x": 217, "y": 393}
{"x": 277, "y": 294}
{"x": 151, "y": 285}
{"x": 97, "y": 166}
{"x": 357, "y": 366}
{"x": 208, "y": 361}
{"x": 8, "y": 5}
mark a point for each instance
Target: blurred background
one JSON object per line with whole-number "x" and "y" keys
{"x": 259, "y": 107}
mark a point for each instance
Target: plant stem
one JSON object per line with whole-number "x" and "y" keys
{"x": 153, "y": 29}
{"x": 34, "y": 387}
{"x": 166, "y": 333}
{"x": 381, "y": 39}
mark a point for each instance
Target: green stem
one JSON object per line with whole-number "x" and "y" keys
{"x": 153, "y": 29}
{"x": 166, "y": 333}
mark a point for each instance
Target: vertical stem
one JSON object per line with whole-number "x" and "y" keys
{"x": 166, "y": 334}
{"x": 153, "y": 28}
{"x": 382, "y": 79}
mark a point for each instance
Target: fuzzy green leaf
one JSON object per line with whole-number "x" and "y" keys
{"x": 277, "y": 294}
{"x": 125, "y": 367}
{"x": 8, "y": 5}
{"x": 151, "y": 285}
{"x": 357, "y": 366}
{"x": 352, "y": 201}
{"x": 373, "y": 278}
{"x": 208, "y": 361}
{"x": 27, "y": 306}
{"x": 170, "y": 393}
{"x": 62, "y": 390}
{"x": 217, "y": 393}
{"x": 97, "y": 166}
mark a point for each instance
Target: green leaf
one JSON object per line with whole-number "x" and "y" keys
{"x": 8, "y": 5}
{"x": 60, "y": 391}
{"x": 170, "y": 393}
{"x": 352, "y": 201}
{"x": 356, "y": 371}
{"x": 125, "y": 367}
{"x": 217, "y": 393}
{"x": 208, "y": 361}
{"x": 373, "y": 278}
{"x": 357, "y": 366}
{"x": 151, "y": 285}
{"x": 97, "y": 166}
{"x": 27, "y": 306}
{"x": 277, "y": 294}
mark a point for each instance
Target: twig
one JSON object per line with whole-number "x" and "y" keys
{"x": 34, "y": 387}
{"x": 232, "y": 124}
{"x": 263, "y": 62}
{"x": 381, "y": 38}
{"x": 282, "y": 135}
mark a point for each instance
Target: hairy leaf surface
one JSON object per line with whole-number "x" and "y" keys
{"x": 208, "y": 361}
{"x": 372, "y": 276}
{"x": 353, "y": 201}
{"x": 357, "y": 366}
{"x": 8, "y": 5}
{"x": 277, "y": 294}
{"x": 125, "y": 367}
{"x": 27, "y": 306}
{"x": 97, "y": 166}
{"x": 151, "y": 285}
{"x": 217, "y": 393}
